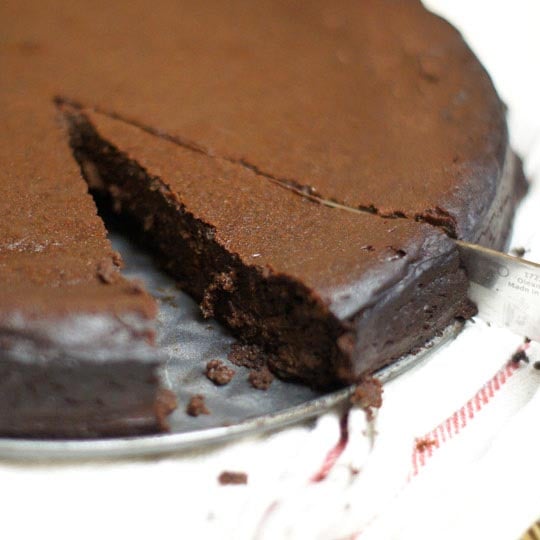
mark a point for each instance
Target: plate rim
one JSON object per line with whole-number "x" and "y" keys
{"x": 24, "y": 449}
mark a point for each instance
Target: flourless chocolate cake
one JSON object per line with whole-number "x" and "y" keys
{"x": 74, "y": 335}
{"x": 301, "y": 168}
{"x": 297, "y": 278}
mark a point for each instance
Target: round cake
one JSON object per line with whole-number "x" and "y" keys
{"x": 302, "y": 169}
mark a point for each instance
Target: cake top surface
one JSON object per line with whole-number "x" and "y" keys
{"x": 55, "y": 258}
{"x": 375, "y": 103}
{"x": 50, "y": 233}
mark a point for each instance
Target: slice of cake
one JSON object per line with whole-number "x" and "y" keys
{"x": 75, "y": 359}
{"x": 328, "y": 295}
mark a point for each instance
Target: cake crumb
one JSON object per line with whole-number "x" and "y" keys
{"x": 423, "y": 444}
{"x": 135, "y": 286}
{"x": 222, "y": 282}
{"x": 165, "y": 404}
{"x": 518, "y": 251}
{"x": 169, "y": 299}
{"x": 107, "y": 271}
{"x": 261, "y": 379}
{"x": 520, "y": 356}
{"x": 368, "y": 395}
{"x": 227, "y": 478}
{"x": 250, "y": 356}
{"x": 117, "y": 259}
{"x": 219, "y": 373}
{"x": 197, "y": 406}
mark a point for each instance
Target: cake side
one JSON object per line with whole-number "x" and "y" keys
{"x": 77, "y": 362}
{"x": 78, "y": 319}
{"x": 68, "y": 398}
{"x": 430, "y": 298}
{"x": 495, "y": 228}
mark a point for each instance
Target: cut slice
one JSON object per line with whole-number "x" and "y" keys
{"x": 75, "y": 359}
{"x": 328, "y": 295}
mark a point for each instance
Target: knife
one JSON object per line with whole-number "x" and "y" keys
{"x": 506, "y": 289}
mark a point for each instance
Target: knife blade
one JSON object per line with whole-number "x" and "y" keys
{"x": 506, "y": 289}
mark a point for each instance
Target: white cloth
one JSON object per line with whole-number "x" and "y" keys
{"x": 480, "y": 483}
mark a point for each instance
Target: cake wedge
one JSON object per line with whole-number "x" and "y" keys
{"x": 75, "y": 337}
{"x": 327, "y": 295}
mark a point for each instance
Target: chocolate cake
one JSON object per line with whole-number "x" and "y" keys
{"x": 327, "y": 294}
{"x": 75, "y": 359}
{"x": 300, "y": 168}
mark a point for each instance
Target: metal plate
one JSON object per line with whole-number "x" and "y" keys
{"x": 188, "y": 342}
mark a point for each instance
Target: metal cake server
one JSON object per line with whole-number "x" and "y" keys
{"x": 506, "y": 289}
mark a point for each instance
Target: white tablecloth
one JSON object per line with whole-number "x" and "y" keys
{"x": 456, "y": 449}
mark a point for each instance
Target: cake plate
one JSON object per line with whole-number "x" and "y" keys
{"x": 187, "y": 342}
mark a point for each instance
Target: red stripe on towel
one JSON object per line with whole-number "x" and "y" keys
{"x": 426, "y": 446}
{"x": 333, "y": 454}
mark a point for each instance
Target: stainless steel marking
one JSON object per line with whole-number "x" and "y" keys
{"x": 506, "y": 289}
